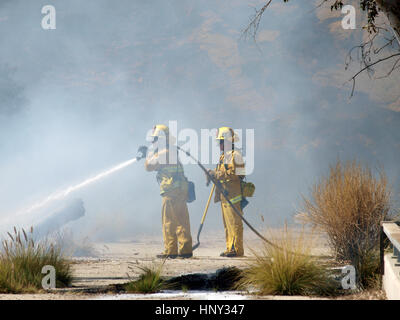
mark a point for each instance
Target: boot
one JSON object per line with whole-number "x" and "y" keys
{"x": 166, "y": 256}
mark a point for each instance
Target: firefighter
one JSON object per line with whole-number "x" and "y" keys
{"x": 173, "y": 189}
{"x": 229, "y": 173}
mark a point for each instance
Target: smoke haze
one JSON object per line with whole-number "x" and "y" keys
{"x": 80, "y": 99}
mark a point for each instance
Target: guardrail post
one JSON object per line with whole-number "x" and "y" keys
{"x": 396, "y": 253}
{"x": 391, "y": 284}
{"x": 382, "y": 250}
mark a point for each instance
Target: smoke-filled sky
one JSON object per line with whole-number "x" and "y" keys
{"x": 79, "y": 99}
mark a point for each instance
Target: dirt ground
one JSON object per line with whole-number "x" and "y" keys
{"x": 116, "y": 263}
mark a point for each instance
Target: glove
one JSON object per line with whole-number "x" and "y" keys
{"x": 142, "y": 152}
{"x": 208, "y": 180}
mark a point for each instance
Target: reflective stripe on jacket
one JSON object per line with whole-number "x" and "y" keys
{"x": 236, "y": 199}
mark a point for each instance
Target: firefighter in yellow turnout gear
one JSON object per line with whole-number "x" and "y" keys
{"x": 173, "y": 190}
{"x": 229, "y": 173}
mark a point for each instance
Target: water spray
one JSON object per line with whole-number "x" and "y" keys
{"x": 64, "y": 193}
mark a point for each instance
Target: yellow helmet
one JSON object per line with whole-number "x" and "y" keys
{"x": 226, "y": 133}
{"x": 160, "y": 130}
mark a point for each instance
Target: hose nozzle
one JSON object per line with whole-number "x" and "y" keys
{"x": 142, "y": 152}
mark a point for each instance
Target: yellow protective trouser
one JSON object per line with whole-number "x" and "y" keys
{"x": 176, "y": 225}
{"x": 233, "y": 228}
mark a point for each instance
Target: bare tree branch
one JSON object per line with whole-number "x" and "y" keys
{"x": 395, "y": 66}
{"x": 353, "y": 78}
{"x": 254, "y": 24}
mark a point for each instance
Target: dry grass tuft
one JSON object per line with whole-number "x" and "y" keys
{"x": 22, "y": 260}
{"x": 349, "y": 205}
{"x": 150, "y": 280}
{"x": 288, "y": 268}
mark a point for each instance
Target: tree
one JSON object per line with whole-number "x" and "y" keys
{"x": 391, "y": 9}
{"x": 367, "y": 51}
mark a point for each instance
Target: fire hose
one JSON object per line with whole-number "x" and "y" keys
{"x": 142, "y": 154}
{"x": 219, "y": 187}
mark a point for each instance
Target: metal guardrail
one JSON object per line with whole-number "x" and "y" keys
{"x": 391, "y": 231}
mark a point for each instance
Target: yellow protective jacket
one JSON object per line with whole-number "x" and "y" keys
{"x": 230, "y": 172}
{"x": 170, "y": 174}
